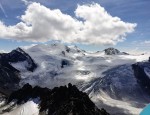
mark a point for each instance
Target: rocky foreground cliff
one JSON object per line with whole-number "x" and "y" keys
{"x": 64, "y": 100}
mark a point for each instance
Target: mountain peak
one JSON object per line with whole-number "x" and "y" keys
{"x": 112, "y": 51}
{"x": 19, "y": 50}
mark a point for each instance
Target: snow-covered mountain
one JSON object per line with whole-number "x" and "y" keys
{"x": 18, "y": 56}
{"x": 107, "y": 76}
{"x": 9, "y": 72}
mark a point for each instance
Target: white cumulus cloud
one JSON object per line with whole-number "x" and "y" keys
{"x": 91, "y": 25}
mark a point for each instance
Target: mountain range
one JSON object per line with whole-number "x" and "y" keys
{"x": 112, "y": 79}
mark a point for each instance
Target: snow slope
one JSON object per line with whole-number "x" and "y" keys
{"x": 108, "y": 79}
{"x": 28, "y": 108}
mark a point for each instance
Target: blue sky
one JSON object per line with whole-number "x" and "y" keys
{"x": 132, "y": 11}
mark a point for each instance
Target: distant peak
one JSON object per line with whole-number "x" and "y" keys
{"x": 112, "y": 51}
{"x": 111, "y": 48}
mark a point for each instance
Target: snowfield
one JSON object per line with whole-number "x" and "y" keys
{"x": 28, "y": 108}
{"x": 108, "y": 79}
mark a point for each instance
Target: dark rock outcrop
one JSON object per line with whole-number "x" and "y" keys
{"x": 125, "y": 53}
{"x": 140, "y": 73}
{"x": 64, "y": 63}
{"x": 58, "y": 101}
{"x": 9, "y": 77}
{"x": 18, "y": 55}
{"x": 113, "y": 51}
